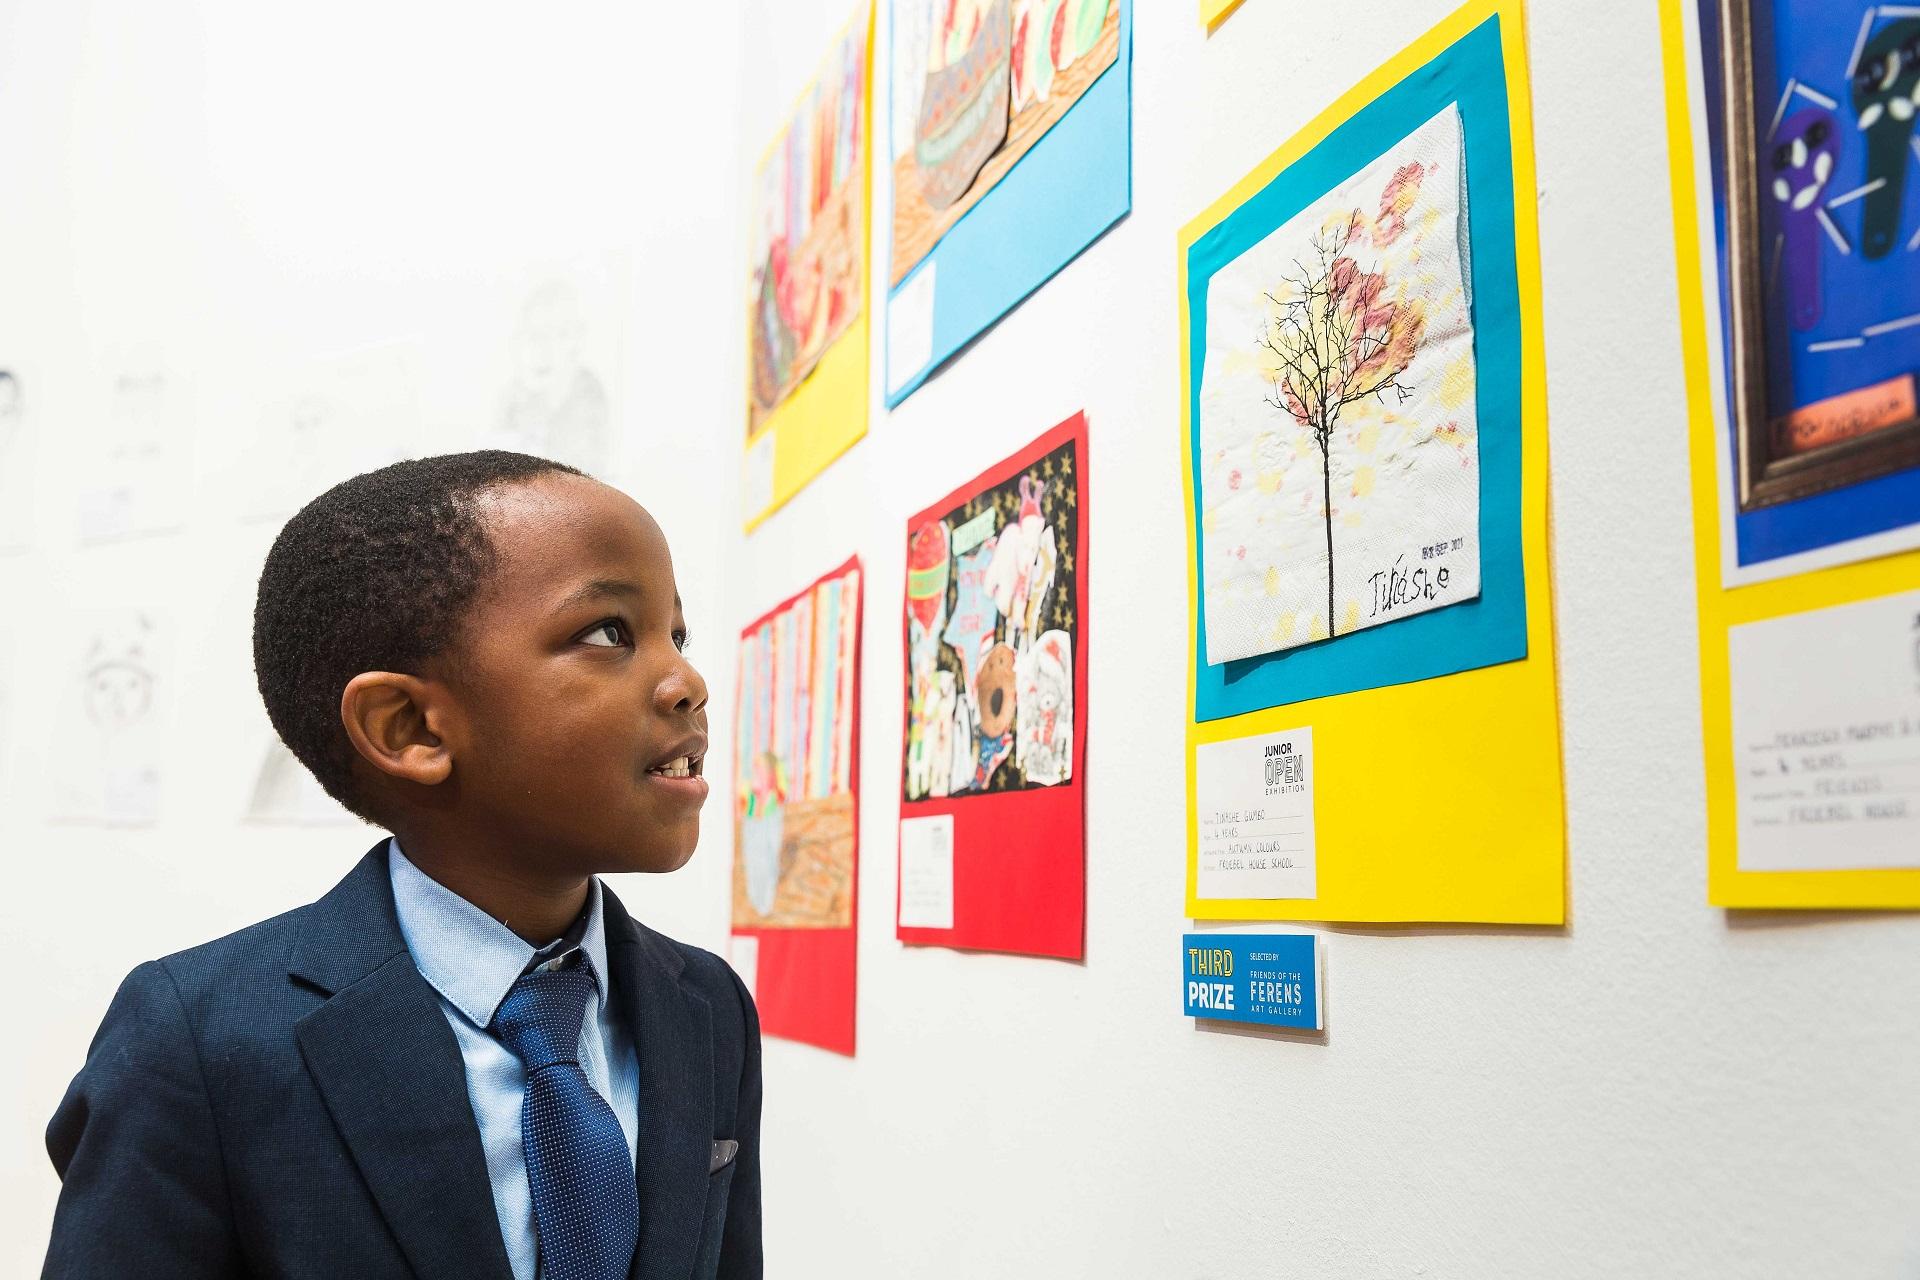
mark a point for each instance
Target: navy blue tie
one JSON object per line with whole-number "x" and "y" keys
{"x": 586, "y": 1207}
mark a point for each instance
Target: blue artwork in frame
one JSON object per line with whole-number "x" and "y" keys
{"x": 1810, "y": 113}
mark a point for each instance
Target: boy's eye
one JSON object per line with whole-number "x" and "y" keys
{"x": 681, "y": 639}
{"x": 609, "y": 634}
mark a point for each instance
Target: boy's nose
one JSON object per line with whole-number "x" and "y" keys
{"x": 682, "y": 692}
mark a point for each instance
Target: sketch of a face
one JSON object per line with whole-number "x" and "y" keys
{"x": 309, "y": 418}
{"x": 555, "y": 404}
{"x": 1886, "y": 93}
{"x": 1806, "y": 149}
{"x": 546, "y": 343}
{"x": 119, "y": 682}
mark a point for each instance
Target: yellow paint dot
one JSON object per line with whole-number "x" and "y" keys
{"x": 1270, "y": 481}
{"x": 1362, "y": 481}
{"x": 1456, "y": 384}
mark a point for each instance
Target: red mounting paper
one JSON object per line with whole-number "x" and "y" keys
{"x": 796, "y": 809}
{"x": 993, "y": 788}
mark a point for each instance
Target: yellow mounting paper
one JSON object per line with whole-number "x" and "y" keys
{"x": 1373, "y": 729}
{"x": 1809, "y": 679}
{"x": 1212, "y": 11}
{"x": 807, "y": 291}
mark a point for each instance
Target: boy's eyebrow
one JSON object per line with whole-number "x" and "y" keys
{"x": 601, "y": 588}
{"x": 598, "y": 589}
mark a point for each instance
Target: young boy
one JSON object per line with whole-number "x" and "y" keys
{"x": 466, "y": 1061}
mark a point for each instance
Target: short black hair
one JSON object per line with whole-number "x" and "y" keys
{"x": 375, "y": 574}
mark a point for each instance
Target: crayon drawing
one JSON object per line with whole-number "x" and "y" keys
{"x": 794, "y": 784}
{"x": 808, "y": 254}
{"x": 975, "y": 84}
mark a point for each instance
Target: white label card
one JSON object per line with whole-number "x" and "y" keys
{"x": 1255, "y": 802}
{"x": 926, "y": 872}
{"x": 1826, "y": 737}
{"x": 745, "y": 956}
{"x": 757, "y": 479}
{"x": 910, "y": 328}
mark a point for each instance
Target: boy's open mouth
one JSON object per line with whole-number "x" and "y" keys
{"x": 688, "y": 755}
{"x": 678, "y": 767}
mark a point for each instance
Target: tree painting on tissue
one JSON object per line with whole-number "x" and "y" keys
{"x": 1339, "y": 449}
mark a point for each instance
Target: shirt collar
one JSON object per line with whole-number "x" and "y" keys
{"x": 465, "y": 954}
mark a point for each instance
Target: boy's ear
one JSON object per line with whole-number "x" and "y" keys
{"x": 390, "y": 718}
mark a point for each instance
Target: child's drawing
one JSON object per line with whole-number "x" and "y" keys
{"x": 334, "y": 417}
{"x": 990, "y": 637}
{"x": 809, "y": 230}
{"x": 286, "y": 794}
{"x": 795, "y": 746}
{"x": 1339, "y": 452}
{"x": 140, "y": 467}
{"x": 108, "y": 764}
{"x": 556, "y": 403}
{"x": 975, "y": 84}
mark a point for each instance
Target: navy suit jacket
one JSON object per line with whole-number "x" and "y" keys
{"x": 289, "y": 1101}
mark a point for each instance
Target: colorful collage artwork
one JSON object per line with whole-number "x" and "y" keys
{"x": 806, "y": 295}
{"x": 1365, "y": 454}
{"x": 993, "y": 804}
{"x": 796, "y": 809}
{"x": 1011, "y": 128}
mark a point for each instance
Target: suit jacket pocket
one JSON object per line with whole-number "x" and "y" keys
{"x": 714, "y": 1229}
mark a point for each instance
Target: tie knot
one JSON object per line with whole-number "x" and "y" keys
{"x": 540, "y": 1018}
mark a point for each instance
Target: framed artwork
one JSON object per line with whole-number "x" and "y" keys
{"x": 796, "y": 809}
{"x": 1364, "y": 450}
{"x": 1796, "y": 187}
{"x": 993, "y": 774}
{"x": 1823, "y": 317}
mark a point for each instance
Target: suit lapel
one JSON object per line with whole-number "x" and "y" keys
{"x": 673, "y": 1037}
{"x": 387, "y": 1064}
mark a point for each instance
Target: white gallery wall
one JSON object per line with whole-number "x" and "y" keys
{"x": 242, "y": 200}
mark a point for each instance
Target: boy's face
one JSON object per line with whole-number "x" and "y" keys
{"x": 580, "y": 728}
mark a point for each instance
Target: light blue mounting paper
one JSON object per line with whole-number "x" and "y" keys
{"x": 1058, "y": 198}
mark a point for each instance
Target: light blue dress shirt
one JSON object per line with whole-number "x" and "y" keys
{"x": 473, "y": 960}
